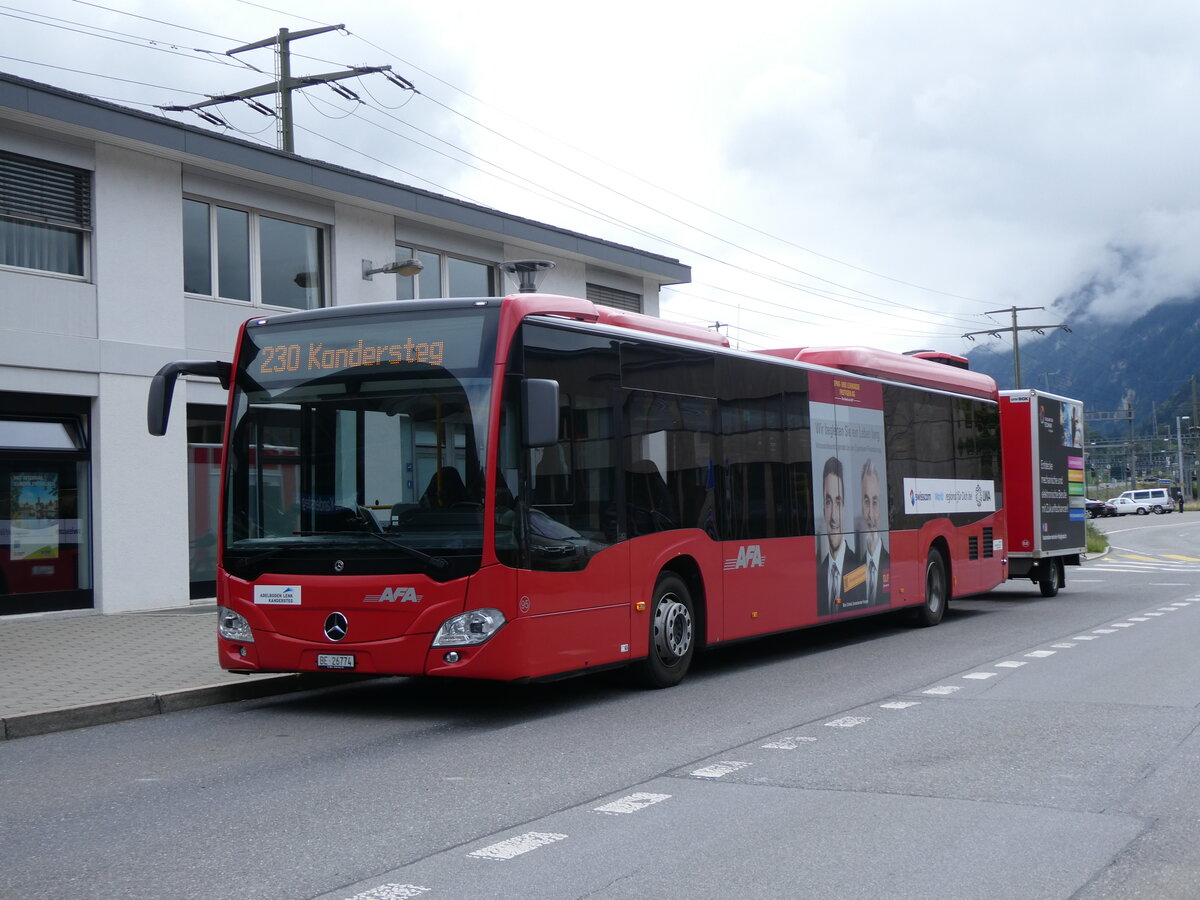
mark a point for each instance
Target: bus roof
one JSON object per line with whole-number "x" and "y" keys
{"x": 587, "y": 311}
{"x": 894, "y": 366}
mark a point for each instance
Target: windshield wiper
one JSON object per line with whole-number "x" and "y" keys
{"x": 436, "y": 561}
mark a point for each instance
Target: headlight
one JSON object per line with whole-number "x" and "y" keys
{"x": 233, "y": 626}
{"x": 472, "y": 627}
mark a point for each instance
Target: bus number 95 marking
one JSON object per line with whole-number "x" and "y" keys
{"x": 283, "y": 358}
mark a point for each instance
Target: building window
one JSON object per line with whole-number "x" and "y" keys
{"x": 612, "y": 297}
{"x": 444, "y": 276}
{"x": 45, "y": 215}
{"x": 239, "y": 254}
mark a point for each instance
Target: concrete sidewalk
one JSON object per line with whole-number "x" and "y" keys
{"x": 63, "y": 671}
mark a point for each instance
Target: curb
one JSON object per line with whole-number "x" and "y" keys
{"x": 108, "y": 711}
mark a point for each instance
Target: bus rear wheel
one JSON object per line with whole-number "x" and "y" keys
{"x": 672, "y": 634}
{"x": 931, "y": 611}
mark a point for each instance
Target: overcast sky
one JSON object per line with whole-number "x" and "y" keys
{"x": 876, "y": 173}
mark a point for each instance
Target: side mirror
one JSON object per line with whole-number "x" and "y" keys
{"x": 539, "y": 417}
{"x": 162, "y": 388}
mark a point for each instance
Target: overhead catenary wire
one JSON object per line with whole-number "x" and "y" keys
{"x": 855, "y": 297}
{"x": 603, "y": 185}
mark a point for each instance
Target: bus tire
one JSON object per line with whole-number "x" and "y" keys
{"x": 1048, "y": 577}
{"x": 930, "y": 612}
{"x": 672, "y": 634}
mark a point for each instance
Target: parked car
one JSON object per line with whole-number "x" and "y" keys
{"x": 1099, "y": 508}
{"x": 1151, "y": 500}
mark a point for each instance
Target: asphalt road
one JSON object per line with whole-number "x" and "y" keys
{"x": 1026, "y": 747}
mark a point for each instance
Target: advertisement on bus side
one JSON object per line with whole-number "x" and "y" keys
{"x": 853, "y": 563}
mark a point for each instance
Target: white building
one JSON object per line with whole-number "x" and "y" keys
{"x": 127, "y": 241}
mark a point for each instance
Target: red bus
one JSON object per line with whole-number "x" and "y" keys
{"x": 534, "y": 486}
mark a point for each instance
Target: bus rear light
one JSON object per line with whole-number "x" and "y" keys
{"x": 470, "y": 628}
{"x": 232, "y": 626}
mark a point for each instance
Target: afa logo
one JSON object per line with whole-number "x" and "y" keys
{"x": 394, "y": 595}
{"x": 750, "y": 556}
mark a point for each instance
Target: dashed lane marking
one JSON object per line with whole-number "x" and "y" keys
{"x": 848, "y": 721}
{"x": 1066, "y": 645}
{"x": 981, "y": 676}
{"x": 719, "y": 770}
{"x": 392, "y": 892}
{"x": 515, "y": 846}
{"x": 1041, "y": 654}
{"x": 943, "y": 689}
{"x": 900, "y": 704}
{"x": 1011, "y": 664}
{"x": 631, "y": 804}
{"x": 789, "y": 743}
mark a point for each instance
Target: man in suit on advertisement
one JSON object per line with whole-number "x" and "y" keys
{"x": 875, "y": 554}
{"x": 841, "y": 574}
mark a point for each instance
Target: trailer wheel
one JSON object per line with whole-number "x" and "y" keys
{"x": 1048, "y": 572}
{"x": 931, "y": 611}
{"x": 672, "y": 634}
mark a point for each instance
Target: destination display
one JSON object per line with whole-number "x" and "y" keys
{"x": 282, "y": 356}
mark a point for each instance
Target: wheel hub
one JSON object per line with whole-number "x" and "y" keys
{"x": 672, "y": 629}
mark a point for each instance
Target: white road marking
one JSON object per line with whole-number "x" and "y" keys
{"x": 1041, "y": 654}
{"x": 900, "y": 704}
{"x": 1154, "y": 614}
{"x": 1104, "y": 631}
{"x": 392, "y": 892}
{"x": 631, "y": 804}
{"x": 981, "y": 676}
{"x": 1167, "y": 609}
{"x": 1123, "y": 624}
{"x": 515, "y": 846}
{"x": 1011, "y": 664}
{"x": 1064, "y": 646}
{"x": 719, "y": 770}
{"x": 1086, "y": 637}
{"x": 943, "y": 689}
{"x": 847, "y": 721}
{"x": 790, "y": 743}
{"x": 1180, "y": 603}
{"x": 1138, "y": 619}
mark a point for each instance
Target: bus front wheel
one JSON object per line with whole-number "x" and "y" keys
{"x": 672, "y": 634}
{"x": 931, "y": 611}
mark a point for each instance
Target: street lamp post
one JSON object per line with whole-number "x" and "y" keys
{"x": 1179, "y": 420}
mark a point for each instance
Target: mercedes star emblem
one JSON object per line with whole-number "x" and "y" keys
{"x": 336, "y": 626}
{"x": 338, "y": 566}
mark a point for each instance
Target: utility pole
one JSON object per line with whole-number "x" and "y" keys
{"x": 284, "y": 84}
{"x": 996, "y": 332}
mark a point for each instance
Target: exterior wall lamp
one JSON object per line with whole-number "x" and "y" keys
{"x": 406, "y": 268}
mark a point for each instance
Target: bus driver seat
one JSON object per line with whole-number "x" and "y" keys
{"x": 445, "y": 489}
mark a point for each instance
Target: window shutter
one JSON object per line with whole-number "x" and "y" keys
{"x": 40, "y": 191}
{"x": 612, "y": 297}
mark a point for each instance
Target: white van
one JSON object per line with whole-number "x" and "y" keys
{"x": 1149, "y": 500}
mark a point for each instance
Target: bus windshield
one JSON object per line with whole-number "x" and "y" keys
{"x": 361, "y": 436}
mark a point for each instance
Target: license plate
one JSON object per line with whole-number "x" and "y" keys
{"x": 335, "y": 661}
